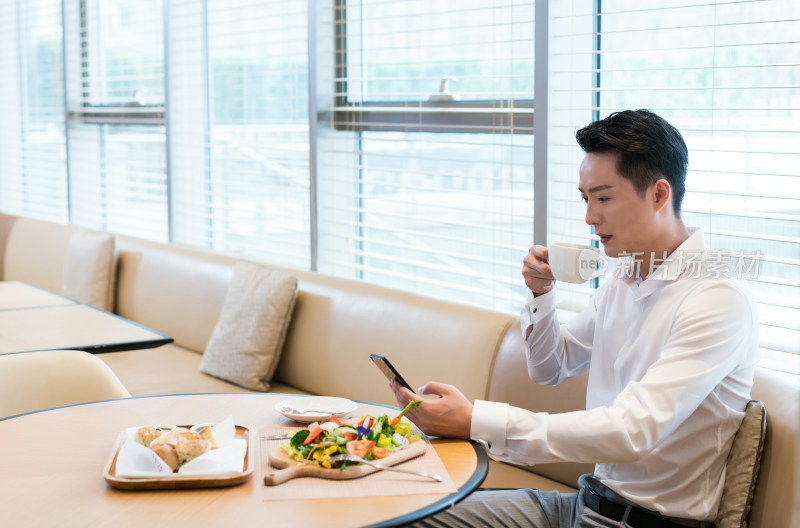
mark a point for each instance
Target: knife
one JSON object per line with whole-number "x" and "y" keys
{"x": 279, "y": 436}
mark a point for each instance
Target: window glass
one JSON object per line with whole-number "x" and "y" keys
{"x": 403, "y": 51}
{"x": 424, "y": 185}
{"x": 32, "y": 141}
{"x": 123, "y": 53}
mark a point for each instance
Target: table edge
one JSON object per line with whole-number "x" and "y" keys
{"x": 160, "y": 339}
{"x": 472, "y": 483}
{"x": 123, "y": 346}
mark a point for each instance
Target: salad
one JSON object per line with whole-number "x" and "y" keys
{"x": 368, "y": 437}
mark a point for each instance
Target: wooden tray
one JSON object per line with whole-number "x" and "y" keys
{"x": 289, "y": 468}
{"x": 178, "y": 481}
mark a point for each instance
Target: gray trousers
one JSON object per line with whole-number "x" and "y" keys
{"x": 527, "y": 508}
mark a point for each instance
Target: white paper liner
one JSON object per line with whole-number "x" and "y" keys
{"x": 137, "y": 461}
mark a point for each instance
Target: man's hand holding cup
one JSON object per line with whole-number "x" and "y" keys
{"x": 536, "y": 271}
{"x": 574, "y": 263}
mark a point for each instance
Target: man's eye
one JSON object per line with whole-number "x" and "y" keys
{"x": 603, "y": 199}
{"x": 585, "y": 199}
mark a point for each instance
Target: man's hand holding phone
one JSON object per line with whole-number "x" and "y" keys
{"x": 445, "y": 411}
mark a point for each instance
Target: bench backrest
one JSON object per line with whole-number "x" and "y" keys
{"x": 35, "y": 252}
{"x": 336, "y": 323}
{"x": 777, "y": 499}
{"x": 66, "y": 259}
{"x": 6, "y": 223}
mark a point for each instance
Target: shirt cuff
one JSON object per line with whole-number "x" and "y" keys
{"x": 489, "y": 425}
{"x": 536, "y": 308}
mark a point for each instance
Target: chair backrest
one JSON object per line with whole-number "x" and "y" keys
{"x": 32, "y": 381}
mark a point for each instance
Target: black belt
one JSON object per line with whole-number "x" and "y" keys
{"x": 637, "y": 518}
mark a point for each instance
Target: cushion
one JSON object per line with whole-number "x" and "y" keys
{"x": 741, "y": 469}
{"x": 89, "y": 269}
{"x": 247, "y": 340}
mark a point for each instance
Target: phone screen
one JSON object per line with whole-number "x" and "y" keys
{"x": 389, "y": 371}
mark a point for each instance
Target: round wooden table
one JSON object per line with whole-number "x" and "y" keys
{"x": 52, "y": 471}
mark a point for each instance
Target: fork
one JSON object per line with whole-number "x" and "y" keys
{"x": 353, "y": 458}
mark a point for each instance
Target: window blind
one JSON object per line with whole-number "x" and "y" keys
{"x": 238, "y": 127}
{"x": 32, "y": 142}
{"x": 116, "y": 134}
{"x": 425, "y": 147}
{"x": 727, "y": 75}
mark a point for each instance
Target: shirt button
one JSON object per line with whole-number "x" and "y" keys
{"x": 535, "y": 310}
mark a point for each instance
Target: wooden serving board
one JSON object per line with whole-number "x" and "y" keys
{"x": 289, "y": 468}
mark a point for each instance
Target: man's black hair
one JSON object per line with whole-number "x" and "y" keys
{"x": 649, "y": 148}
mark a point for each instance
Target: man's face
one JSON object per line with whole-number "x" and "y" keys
{"x": 623, "y": 219}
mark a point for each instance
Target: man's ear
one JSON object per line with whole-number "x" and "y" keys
{"x": 662, "y": 192}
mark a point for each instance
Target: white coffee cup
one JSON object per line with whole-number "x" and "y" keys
{"x": 576, "y": 263}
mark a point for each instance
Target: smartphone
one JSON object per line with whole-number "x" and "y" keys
{"x": 389, "y": 371}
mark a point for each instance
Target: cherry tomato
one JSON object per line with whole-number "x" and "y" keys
{"x": 360, "y": 447}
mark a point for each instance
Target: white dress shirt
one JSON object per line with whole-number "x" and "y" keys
{"x": 671, "y": 362}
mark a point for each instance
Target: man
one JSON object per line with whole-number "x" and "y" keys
{"x": 670, "y": 349}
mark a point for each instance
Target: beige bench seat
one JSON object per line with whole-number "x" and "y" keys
{"x": 170, "y": 369}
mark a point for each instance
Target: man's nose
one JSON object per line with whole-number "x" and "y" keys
{"x": 591, "y": 217}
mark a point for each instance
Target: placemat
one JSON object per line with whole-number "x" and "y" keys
{"x": 374, "y": 484}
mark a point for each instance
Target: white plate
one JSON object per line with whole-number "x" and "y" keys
{"x": 324, "y": 406}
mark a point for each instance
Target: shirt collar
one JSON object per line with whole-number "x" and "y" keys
{"x": 671, "y": 268}
{"x": 676, "y": 263}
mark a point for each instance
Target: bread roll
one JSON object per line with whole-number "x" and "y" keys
{"x": 171, "y": 438}
{"x": 206, "y": 433}
{"x": 145, "y": 435}
{"x": 189, "y": 448}
{"x": 167, "y": 454}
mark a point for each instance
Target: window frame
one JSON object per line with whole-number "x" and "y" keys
{"x": 451, "y": 116}
{"x": 131, "y": 113}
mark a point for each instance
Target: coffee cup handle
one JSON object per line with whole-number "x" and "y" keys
{"x": 605, "y": 262}
{"x": 602, "y": 265}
